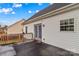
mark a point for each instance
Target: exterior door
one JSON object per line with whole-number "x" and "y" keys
{"x": 38, "y": 31}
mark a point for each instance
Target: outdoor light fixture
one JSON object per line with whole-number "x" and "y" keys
{"x": 43, "y": 25}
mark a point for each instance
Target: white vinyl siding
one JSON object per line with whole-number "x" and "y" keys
{"x": 52, "y": 35}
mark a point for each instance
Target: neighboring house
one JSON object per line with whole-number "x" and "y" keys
{"x": 56, "y": 25}
{"x": 15, "y": 28}
{"x": 3, "y": 30}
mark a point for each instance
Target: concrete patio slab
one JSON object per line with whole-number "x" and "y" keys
{"x": 42, "y": 49}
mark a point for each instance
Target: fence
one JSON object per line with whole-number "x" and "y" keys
{"x": 28, "y": 36}
{"x": 11, "y": 38}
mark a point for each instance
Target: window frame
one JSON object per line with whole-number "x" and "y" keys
{"x": 26, "y": 29}
{"x": 67, "y": 25}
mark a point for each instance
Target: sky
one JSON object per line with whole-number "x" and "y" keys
{"x": 13, "y": 12}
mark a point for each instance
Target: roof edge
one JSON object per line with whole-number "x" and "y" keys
{"x": 15, "y": 23}
{"x": 54, "y": 11}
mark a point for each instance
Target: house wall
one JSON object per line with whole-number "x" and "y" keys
{"x": 67, "y": 40}
{"x": 16, "y": 28}
{"x": 51, "y": 32}
{"x": 30, "y": 28}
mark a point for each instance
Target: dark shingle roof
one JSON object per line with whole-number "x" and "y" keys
{"x": 49, "y": 8}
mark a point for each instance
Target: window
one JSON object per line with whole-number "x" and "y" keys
{"x": 26, "y": 29}
{"x": 67, "y": 25}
